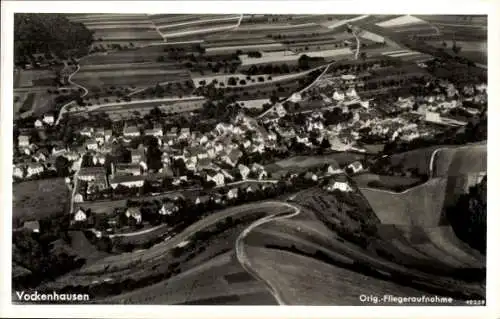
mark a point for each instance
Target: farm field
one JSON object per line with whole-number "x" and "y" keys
{"x": 301, "y": 162}
{"x": 461, "y": 160}
{"x": 298, "y": 278}
{"x": 34, "y": 78}
{"x": 39, "y": 198}
{"x": 421, "y": 205}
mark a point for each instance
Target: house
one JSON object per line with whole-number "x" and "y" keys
{"x": 244, "y": 171}
{"x": 338, "y": 96}
{"x": 172, "y": 134}
{"x": 252, "y": 188}
{"x": 80, "y": 215}
{"x": 355, "y": 167}
{"x": 168, "y": 208}
{"x": 203, "y": 140}
{"x": 23, "y": 140}
{"x": 247, "y": 144}
{"x": 218, "y": 179}
{"x": 185, "y": 133}
{"x": 351, "y": 93}
{"x": 311, "y": 176}
{"x": 131, "y": 131}
{"x": 78, "y": 198}
{"x": 136, "y": 155}
{"x": 32, "y": 225}
{"x": 87, "y": 131}
{"x": 48, "y": 119}
{"x": 71, "y": 156}
{"x": 201, "y": 199}
{"x": 333, "y": 171}
{"x": 58, "y": 150}
{"x": 38, "y": 124}
{"x": 107, "y": 135}
{"x": 135, "y": 213}
{"x": 233, "y": 157}
{"x": 127, "y": 181}
{"x": 125, "y": 169}
{"x": 232, "y": 193}
{"x": 157, "y": 131}
{"x": 340, "y": 184}
{"x": 40, "y": 156}
{"x": 92, "y": 144}
{"x": 18, "y": 171}
{"x": 34, "y": 169}
{"x": 222, "y": 128}
{"x": 99, "y": 158}
{"x": 296, "y": 97}
{"x": 191, "y": 163}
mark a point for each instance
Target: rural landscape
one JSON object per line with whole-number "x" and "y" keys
{"x": 250, "y": 159}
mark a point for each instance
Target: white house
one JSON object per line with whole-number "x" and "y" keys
{"x": 232, "y": 193}
{"x": 92, "y": 144}
{"x": 80, "y": 216}
{"x": 87, "y": 131}
{"x": 78, "y": 198}
{"x": 351, "y": 93}
{"x": 127, "y": 181}
{"x": 38, "y": 124}
{"x": 18, "y": 172}
{"x": 23, "y": 140}
{"x": 34, "y": 169}
{"x": 157, "y": 131}
{"x": 131, "y": 131}
{"x": 168, "y": 208}
{"x": 48, "y": 119}
{"x": 135, "y": 213}
{"x": 355, "y": 167}
{"x": 218, "y": 179}
{"x": 338, "y": 96}
{"x": 342, "y": 186}
{"x": 333, "y": 171}
{"x": 244, "y": 171}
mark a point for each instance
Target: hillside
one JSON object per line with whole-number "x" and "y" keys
{"x": 49, "y": 33}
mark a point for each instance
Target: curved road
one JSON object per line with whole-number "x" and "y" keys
{"x": 240, "y": 251}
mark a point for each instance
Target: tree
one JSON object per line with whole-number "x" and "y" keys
{"x": 62, "y": 166}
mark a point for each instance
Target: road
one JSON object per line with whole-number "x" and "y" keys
{"x": 136, "y": 233}
{"x": 85, "y": 92}
{"x": 240, "y": 251}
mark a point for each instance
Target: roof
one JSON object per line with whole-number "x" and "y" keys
{"x": 126, "y": 178}
{"x": 86, "y": 171}
{"x": 130, "y": 129}
{"x": 235, "y": 154}
{"x": 32, "y": 224}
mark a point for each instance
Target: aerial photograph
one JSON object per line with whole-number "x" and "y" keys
{"x": 249, "y": 159}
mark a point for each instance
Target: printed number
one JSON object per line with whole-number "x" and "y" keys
{"x": 476, "y": 302}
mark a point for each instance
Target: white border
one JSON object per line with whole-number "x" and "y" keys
{"x": 303, "y": 7}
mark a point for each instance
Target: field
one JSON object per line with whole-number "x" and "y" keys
{"x": 476, "y": 51}
{"x": 104, "y": 76}
{"x": 40, "y": 198}
{"x": 420, "y": 205}
{"x": 34, "y": 78}
{"x": 127, "y": 30}
{"x": 304, "y": 162}
{"x": 461, "y": 160}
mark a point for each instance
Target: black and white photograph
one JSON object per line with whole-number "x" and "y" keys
{"x": 259, "y": 159}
